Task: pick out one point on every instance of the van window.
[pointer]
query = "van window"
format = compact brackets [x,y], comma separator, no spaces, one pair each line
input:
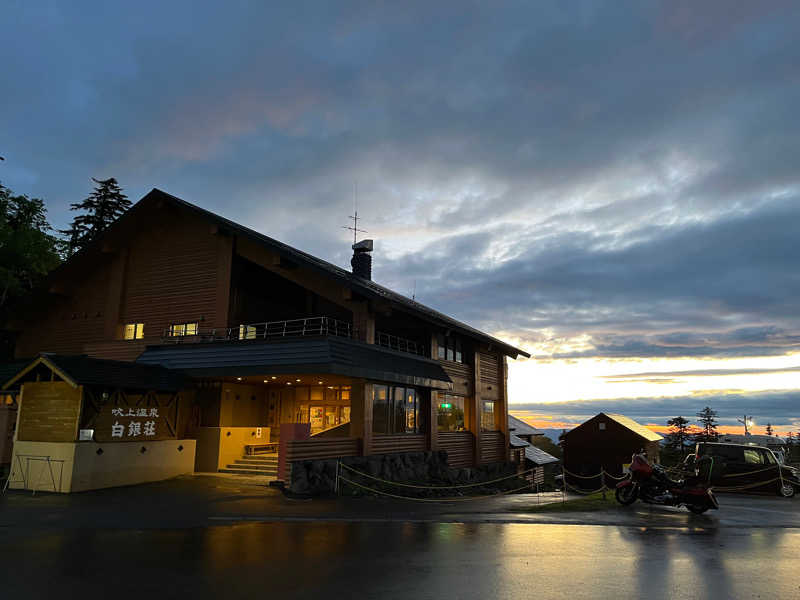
[728,453]
[769,458]
[753,456]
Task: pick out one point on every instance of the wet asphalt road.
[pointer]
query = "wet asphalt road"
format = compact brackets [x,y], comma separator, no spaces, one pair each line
[205,539]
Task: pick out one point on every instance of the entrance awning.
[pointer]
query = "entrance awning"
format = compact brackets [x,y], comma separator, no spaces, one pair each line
[337,356]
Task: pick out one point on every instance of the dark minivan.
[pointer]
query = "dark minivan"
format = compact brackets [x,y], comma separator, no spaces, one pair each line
[745,468]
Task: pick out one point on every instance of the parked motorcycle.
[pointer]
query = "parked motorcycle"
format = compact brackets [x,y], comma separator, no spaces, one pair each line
[651,484]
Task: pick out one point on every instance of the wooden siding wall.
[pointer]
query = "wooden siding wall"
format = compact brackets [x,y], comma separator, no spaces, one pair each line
[490,376]
[49,412]
[493,447]
[388,444]
[459,446]
[461,374]
[68,321]
[172,278]
[174,269]
[321,448]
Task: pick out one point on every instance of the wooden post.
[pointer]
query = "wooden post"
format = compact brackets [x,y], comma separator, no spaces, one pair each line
[361,414]
[433,422]
[475,407]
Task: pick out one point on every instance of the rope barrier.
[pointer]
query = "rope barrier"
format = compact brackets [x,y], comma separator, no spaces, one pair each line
[436,487]
[451,499]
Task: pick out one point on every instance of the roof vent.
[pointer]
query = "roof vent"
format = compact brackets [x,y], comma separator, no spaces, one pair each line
[362,259]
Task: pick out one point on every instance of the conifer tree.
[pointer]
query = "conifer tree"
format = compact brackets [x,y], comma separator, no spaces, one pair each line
[103,206]
[678,436]
[769,428]
[708,425]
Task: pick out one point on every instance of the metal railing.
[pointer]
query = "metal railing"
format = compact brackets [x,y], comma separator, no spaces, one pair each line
[398,343]
[267,330]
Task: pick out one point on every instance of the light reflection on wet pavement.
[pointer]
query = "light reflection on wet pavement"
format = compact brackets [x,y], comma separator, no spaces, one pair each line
[402,560]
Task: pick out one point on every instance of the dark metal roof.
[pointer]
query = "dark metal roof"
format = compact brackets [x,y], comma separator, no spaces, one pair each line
[364,286]
[334,355]
[520,427]
[84,370]
[9,369]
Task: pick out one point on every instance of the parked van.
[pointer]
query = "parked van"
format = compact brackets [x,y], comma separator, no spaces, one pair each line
[747,468]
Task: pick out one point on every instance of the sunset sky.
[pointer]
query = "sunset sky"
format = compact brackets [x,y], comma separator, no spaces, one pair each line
[614,187]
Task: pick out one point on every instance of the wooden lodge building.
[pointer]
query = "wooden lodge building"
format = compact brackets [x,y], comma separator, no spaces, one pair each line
[182,341]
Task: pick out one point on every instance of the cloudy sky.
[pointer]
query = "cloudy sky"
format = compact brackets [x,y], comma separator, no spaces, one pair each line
[613,186]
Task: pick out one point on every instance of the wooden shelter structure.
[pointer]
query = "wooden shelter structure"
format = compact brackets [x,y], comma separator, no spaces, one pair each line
[606,442]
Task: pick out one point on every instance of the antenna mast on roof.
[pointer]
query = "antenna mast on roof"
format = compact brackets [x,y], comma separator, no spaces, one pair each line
[354,216]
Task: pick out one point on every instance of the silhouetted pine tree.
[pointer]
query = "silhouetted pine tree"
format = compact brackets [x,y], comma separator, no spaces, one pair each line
[103,206]
[708,425]
[678,436]
[769,428]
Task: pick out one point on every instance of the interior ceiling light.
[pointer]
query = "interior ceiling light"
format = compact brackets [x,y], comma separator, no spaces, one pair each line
[273,377]
[297,380]
[238,379]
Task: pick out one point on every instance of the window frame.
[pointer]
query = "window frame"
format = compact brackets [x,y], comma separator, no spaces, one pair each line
[393,411]
[138,331]
[182,329]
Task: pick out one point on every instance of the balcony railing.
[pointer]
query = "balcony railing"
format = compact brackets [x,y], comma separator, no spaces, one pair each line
[398,343]
[268,330]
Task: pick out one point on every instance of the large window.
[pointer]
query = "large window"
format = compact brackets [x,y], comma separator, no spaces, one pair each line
[449,348]
[450,413]
[487,416]
[179,329]
[394,409]
[133,331]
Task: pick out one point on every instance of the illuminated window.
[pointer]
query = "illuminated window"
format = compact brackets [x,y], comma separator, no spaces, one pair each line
[133,331]
[180,329]
[247,332]
[450,413]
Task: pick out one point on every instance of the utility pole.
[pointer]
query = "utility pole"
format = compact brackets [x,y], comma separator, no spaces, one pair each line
[747,422]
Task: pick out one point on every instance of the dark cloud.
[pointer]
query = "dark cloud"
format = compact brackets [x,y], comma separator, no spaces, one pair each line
[701,373]
[777,407]
[622,170]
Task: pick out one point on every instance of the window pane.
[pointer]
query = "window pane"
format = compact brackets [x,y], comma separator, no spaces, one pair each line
[411,410]
[450,413]
[191,329]
[459,357]
[487,416]
[380,409]
[450,349]
[130,331]
[399,411]
[753,456]
[441,347]
[345,414]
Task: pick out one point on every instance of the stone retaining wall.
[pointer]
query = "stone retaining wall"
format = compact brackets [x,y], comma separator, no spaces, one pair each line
[318,477]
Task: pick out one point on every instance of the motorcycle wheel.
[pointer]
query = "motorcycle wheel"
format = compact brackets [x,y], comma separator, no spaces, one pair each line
[697,509]
[627,495]
[786,490]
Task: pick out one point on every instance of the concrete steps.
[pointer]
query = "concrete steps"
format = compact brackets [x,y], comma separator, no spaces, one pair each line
[264,465]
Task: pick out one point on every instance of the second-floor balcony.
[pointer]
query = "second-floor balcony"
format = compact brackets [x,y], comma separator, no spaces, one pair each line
[266,330]
[189,333]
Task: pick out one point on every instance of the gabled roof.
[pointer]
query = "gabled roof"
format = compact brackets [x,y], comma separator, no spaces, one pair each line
[365,287]
[520,427]
[648,434]
[83,370]
[627,422]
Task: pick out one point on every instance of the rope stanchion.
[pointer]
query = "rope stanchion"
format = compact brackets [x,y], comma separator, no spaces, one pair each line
[435,487]
[451,499]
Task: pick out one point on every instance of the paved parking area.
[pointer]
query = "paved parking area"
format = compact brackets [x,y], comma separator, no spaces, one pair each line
[202,500]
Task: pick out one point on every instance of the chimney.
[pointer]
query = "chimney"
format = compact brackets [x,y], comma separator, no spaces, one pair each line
[362,260]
